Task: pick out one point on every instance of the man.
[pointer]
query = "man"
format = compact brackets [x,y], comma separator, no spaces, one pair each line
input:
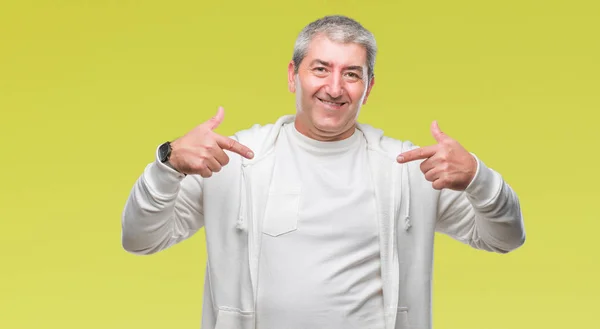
[317,221]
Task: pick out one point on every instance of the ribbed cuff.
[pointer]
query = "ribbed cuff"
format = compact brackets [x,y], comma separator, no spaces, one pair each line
[485,186]
[162,178]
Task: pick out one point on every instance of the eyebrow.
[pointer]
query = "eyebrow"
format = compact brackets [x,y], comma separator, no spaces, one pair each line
[324,63]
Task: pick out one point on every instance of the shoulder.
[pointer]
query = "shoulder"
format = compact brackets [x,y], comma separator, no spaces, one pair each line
[388,146]
[260,138]
[255,133]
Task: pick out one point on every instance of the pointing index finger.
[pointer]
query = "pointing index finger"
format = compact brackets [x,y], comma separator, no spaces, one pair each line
[417,154]
[232,145]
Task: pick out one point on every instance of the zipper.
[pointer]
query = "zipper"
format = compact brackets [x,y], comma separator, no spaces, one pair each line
[397,193]
[252,244]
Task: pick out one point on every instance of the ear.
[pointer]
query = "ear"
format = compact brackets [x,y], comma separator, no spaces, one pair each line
[291,77]
[371,83]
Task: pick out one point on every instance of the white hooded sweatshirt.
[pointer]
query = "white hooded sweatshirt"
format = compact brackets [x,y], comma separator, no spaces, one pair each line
[166,207]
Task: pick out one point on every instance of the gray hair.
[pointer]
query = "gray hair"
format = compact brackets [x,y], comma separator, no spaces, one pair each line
[338,29]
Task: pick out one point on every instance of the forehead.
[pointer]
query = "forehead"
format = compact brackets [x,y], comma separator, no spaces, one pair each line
[336,53]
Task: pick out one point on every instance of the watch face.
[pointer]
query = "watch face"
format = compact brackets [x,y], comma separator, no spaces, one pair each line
[163,152]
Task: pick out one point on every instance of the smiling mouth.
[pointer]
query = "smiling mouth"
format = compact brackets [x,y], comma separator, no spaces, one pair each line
[332,104]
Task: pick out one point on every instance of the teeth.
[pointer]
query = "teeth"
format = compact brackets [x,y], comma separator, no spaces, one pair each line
[331,103]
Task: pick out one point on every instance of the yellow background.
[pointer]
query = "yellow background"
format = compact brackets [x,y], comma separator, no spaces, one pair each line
[88,89]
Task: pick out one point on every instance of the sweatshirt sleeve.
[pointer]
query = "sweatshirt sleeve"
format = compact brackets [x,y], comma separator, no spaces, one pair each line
[164,207]
[487,215]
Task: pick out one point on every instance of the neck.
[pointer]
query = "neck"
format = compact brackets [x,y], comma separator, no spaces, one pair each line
[313,132]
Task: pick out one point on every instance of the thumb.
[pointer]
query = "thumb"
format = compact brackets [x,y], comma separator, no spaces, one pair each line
[215,121]
[436,132]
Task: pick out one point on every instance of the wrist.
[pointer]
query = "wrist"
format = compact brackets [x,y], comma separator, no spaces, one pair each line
[170,165]
[165,156]
[485,186]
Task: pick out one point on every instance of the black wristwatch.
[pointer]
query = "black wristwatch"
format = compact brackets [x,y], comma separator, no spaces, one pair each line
[164,152]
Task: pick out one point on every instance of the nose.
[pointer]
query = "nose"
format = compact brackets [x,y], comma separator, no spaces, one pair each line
[335,86]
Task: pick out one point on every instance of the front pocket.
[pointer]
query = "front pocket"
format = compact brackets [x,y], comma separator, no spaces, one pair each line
[233,319]
[281,214]
[402,318]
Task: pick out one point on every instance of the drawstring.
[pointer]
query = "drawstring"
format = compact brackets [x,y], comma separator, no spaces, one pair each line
[241,222]
[406,185]
[407,223]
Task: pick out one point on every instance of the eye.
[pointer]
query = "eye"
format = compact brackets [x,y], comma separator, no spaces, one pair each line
[353,75]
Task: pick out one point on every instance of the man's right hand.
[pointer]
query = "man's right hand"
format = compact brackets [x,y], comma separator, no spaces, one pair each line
[201,151]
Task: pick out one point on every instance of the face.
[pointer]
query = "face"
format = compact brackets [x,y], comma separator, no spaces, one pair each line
[331,86]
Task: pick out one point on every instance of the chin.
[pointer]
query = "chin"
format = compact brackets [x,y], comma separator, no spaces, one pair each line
[327,123]
[330,125]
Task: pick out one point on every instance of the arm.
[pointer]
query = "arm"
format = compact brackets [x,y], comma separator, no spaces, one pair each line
[486,215]
[163,208]
[475,205]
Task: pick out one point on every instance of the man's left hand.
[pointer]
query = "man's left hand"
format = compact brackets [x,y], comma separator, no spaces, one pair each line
[447,164]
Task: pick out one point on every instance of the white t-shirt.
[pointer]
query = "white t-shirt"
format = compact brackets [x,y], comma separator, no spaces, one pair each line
[319,262]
